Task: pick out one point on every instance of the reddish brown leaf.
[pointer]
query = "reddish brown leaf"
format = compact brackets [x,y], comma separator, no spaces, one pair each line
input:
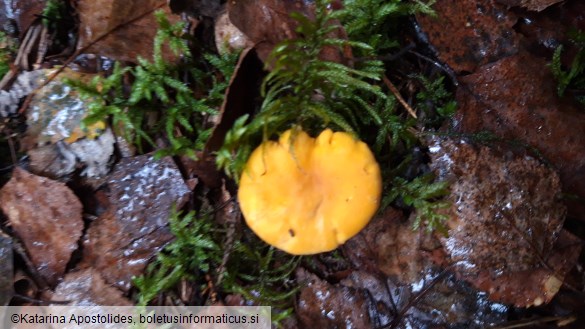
[322,305]
[536,5]
[88,288]
[268,22]
[46,215]
[125,43]
[515,98]
[121,242]
[389,245]
[533,286]
[468,34]
[505,218]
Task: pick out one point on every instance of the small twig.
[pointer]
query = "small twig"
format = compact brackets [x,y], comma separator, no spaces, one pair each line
[396,93]
[443,67]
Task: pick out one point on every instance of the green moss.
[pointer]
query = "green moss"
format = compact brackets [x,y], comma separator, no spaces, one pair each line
[572,77]
[161,91]
[192,254]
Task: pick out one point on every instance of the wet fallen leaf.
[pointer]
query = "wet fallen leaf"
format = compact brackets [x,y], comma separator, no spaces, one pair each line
[536,5]
[125,43]
[437,300]
[322,305]
[389,245]
[468,34]
[515,99]
[505,225]
[268,22]
[121,242]
[88,288]
[46,216]
[395,264]
[6,269]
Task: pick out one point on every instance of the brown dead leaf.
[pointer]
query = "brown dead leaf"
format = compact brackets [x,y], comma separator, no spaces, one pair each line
[468,34]
[6,269]
[322,305]
[505,221]
[515,98]
[535,5]
[268,22]
[121,242]
[533,287]
[97,17]
[88,288]
[46,215]
[243,89]
[389,245]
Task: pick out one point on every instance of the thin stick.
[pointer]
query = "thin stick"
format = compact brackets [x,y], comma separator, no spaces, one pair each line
[396,93]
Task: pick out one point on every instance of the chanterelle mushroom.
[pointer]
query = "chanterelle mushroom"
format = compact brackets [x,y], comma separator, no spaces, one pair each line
[312,195]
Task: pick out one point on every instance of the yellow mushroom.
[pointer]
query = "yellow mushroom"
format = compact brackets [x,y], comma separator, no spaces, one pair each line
[311,195]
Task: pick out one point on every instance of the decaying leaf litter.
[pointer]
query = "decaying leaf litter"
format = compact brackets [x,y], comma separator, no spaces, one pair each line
[511,154]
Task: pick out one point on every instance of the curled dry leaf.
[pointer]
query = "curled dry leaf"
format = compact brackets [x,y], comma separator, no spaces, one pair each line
[468,34]
[505,226]
[243,89]
[268,22]
[88,288]
[46,215]
[121,242]
[125,43]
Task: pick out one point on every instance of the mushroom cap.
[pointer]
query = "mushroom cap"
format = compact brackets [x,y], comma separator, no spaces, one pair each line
[309,195]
